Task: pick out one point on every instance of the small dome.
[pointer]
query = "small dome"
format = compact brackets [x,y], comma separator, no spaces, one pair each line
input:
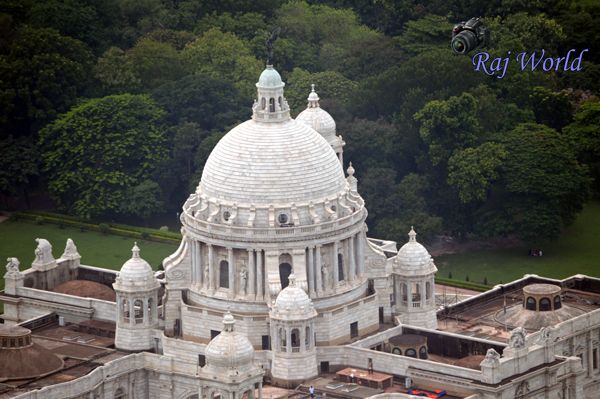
[136,273]
[21,358]
[413,258]
[293,303]
[269,78]
[319,119]
[86,289]
[230,351]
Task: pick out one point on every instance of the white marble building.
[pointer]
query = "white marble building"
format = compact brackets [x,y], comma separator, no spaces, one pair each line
[275,278]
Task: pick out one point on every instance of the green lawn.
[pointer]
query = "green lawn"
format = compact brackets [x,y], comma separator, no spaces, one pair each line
[577,251]
[17,239]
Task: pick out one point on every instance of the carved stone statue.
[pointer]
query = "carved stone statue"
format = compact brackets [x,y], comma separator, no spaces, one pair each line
[206,277]
[325,271]
[547,335]
[492,358]
[243,280]
[269,44]
[12,266]
[43,252]
[70,250]
[517,338]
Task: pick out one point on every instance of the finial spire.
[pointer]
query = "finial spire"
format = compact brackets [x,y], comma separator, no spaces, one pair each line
[350,169]
[228,321]
[292,279]
[313,97]
[412,235]
[135,250]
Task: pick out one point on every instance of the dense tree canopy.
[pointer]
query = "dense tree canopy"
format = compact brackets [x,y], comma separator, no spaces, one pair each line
[99,150]
[126,99]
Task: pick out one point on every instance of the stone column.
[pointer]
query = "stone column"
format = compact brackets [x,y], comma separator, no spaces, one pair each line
[422,292]
[302,338]
[200,267]
[260,280]
[318,272]
[360,262]
[194,262]
[251,392]
[351,260]
[211,268]
[131,311]
[251,273]
[288,340]
[311,272]
[334,264]
[260,390]
[145,312]
[590,356]
[409,295]
[155,308]
[232,275]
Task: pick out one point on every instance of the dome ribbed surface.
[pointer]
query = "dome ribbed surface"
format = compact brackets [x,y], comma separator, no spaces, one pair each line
[269,78]
[272,163]
[413,258]
[229,350]
[136,273]
[320,120]
[292,303]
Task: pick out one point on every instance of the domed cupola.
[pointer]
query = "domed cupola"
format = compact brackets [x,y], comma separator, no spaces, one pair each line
[413,258]
[292,319]
[413,281]
[230,352]
[321,121]
[293,303]
[136,290]
[135,274]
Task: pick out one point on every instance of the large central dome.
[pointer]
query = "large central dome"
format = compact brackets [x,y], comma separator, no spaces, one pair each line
[272,163]
[272,159]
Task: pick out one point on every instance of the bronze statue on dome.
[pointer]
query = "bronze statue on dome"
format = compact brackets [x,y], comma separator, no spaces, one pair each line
[269,44]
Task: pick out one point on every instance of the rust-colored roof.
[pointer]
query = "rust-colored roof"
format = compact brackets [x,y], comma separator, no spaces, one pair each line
[86,289]
[13,331]
[27,362]
[470,362]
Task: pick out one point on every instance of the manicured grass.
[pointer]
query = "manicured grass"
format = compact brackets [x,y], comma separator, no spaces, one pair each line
[577,251]
[17,239]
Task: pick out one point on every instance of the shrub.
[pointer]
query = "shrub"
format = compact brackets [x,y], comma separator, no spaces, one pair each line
[145,235]
[450,275]
[485,281]
[104,228]
[467,278]
[39,220]
[164,228]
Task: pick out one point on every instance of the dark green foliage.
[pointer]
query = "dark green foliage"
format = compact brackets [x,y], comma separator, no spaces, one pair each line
[104,228]
[97,151]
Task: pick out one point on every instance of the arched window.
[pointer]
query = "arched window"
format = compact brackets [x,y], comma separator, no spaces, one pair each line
[307,337]
[340,267]
[224,274]
[263,103]
[416,293]
[295,340]
[422,353]
[138,308]
[125,308]
[557,303]
[411,353]
[545,305]
[280,101]
[427,290]
[283,339]
[120,394]
[404,292]
[285,269]
[271,105]
[530,303]
[396,351]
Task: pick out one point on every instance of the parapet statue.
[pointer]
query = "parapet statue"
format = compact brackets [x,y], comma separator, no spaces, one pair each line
[517,338]
[43,252]
[70,250]
[492,358]
[269,44]
[12,266]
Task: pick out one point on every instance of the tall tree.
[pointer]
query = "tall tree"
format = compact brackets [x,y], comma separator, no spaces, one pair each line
[99,150]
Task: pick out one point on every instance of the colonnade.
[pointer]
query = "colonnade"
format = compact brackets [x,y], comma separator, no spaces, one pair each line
[414,294]
[326,266]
